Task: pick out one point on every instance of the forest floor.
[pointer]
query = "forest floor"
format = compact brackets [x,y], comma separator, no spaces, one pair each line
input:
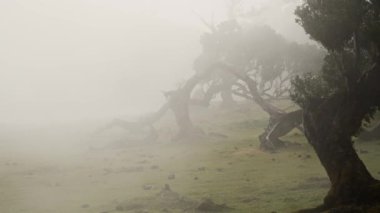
[71,170]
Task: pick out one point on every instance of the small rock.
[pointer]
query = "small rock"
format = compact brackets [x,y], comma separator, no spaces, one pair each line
[85,206]
[208,205]
[202,169]
[166,188]
[196,178]
[220,169]
[147,187]
[171,177]
[154,167]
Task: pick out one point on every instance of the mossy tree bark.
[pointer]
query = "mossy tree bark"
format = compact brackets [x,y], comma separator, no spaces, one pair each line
[329,128]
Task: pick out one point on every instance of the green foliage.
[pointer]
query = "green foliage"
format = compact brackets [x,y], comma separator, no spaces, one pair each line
[258,50]
[350,31]
[331,22]
[310,90]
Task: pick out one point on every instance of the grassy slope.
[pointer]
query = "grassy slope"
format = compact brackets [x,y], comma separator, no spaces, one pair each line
[228,170]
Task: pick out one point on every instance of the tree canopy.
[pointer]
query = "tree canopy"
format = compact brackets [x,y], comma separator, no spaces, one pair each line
[345,93]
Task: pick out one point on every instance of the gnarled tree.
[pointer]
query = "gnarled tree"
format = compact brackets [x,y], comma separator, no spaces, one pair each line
[337,100]
[259,64]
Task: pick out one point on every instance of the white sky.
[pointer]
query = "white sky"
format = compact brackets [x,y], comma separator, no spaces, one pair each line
[78,59]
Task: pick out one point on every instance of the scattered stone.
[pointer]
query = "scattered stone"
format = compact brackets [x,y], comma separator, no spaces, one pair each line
[196,178]
[362,151]
[219,169]
[273,159]
[167,201]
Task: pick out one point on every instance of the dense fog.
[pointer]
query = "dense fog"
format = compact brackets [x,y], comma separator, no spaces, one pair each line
[160,106]
[82,59]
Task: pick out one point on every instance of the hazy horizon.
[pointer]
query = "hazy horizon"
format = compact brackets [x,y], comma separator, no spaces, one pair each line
[82,59]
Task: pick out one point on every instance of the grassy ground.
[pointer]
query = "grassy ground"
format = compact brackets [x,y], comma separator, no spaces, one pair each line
[71,172]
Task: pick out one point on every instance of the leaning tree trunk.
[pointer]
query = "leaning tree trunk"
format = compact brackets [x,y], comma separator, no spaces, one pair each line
[328,129]
[280,123]
[180,108]
[179,101]
[277,127]
[370,134]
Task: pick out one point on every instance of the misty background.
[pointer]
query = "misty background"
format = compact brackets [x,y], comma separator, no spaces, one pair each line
[64,61]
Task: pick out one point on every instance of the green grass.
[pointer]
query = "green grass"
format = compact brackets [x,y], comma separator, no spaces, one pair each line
[228,170]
